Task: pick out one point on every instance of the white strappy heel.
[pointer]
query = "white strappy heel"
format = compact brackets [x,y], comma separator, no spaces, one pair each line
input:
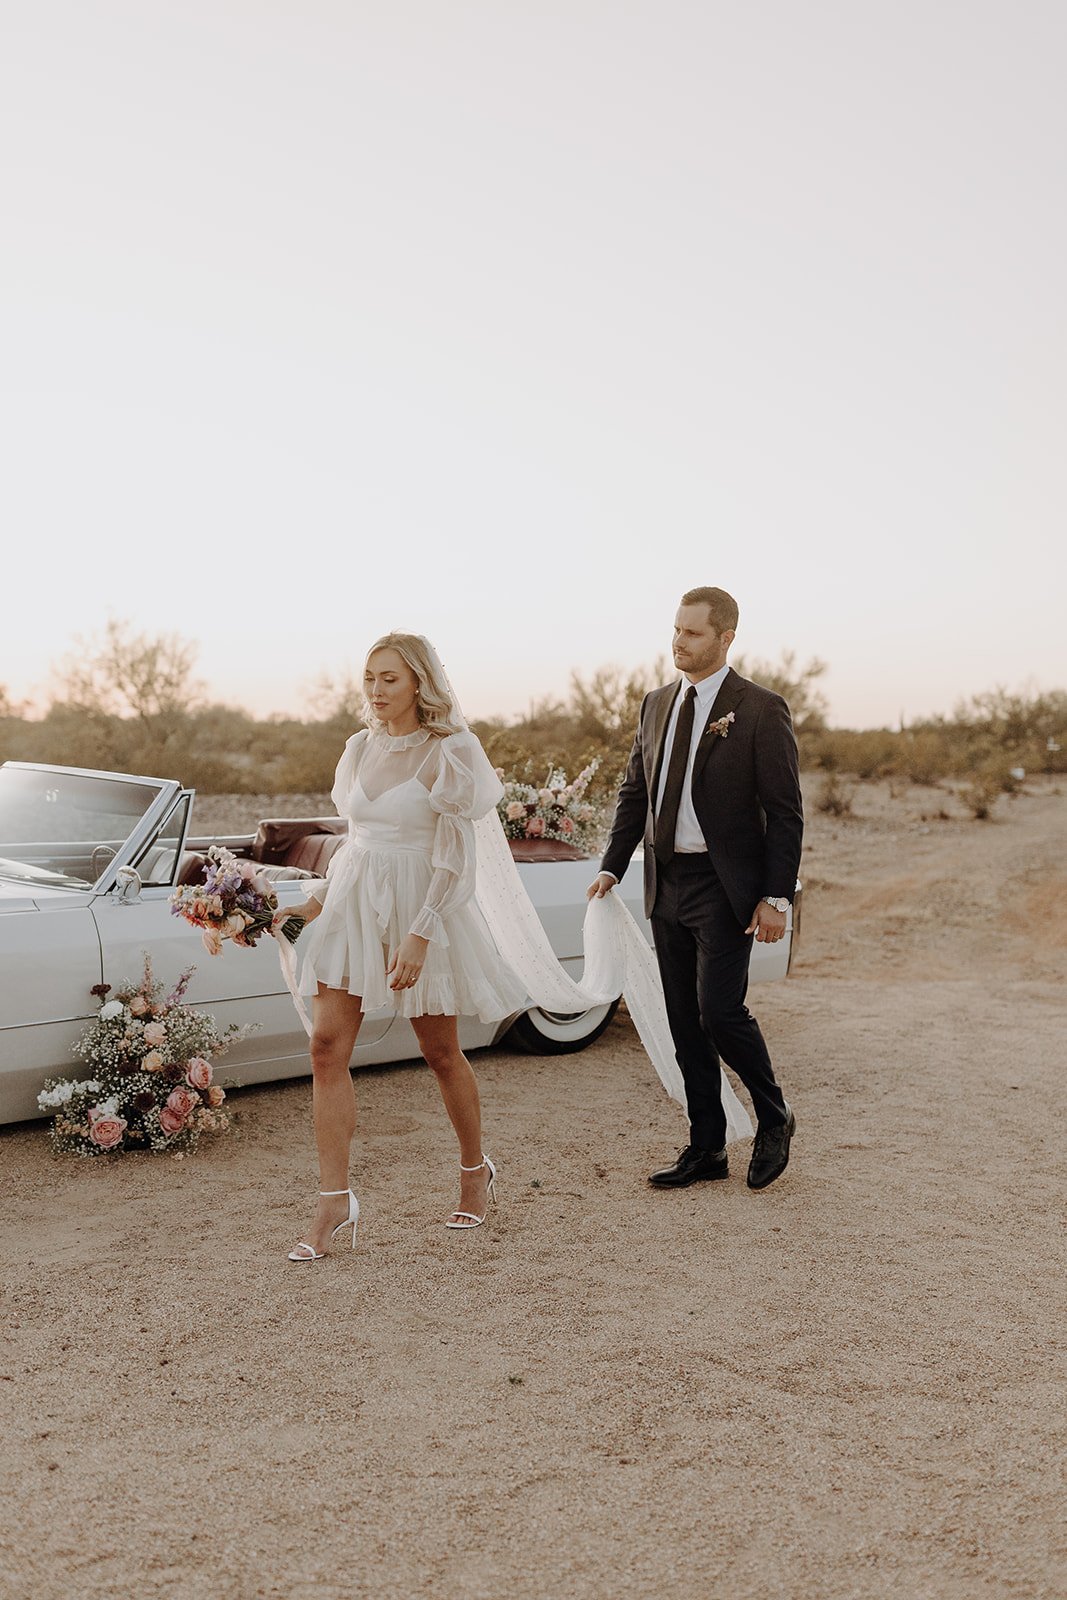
[490,1195]
[350,1222]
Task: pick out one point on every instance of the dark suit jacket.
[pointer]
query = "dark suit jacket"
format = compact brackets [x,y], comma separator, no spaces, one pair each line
[746,794]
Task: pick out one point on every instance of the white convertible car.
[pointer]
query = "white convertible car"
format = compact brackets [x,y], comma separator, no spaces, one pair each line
[88,862]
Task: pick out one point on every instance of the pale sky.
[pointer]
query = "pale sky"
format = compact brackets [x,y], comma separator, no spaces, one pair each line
[506,323]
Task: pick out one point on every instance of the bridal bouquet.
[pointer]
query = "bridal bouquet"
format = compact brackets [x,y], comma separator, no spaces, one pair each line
[558,810]
[149,1083]
[235,901]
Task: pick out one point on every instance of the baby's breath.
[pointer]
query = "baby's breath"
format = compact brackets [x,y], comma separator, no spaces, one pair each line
[138,1095]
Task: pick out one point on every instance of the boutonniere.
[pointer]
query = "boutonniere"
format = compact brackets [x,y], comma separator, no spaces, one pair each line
[721,727]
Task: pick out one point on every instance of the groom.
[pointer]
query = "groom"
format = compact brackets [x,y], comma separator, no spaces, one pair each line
[713,788]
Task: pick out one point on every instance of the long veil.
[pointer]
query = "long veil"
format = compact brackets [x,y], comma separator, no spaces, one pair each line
[618,958]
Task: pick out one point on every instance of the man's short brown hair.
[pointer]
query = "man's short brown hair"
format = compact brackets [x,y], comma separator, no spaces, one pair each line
[722,607]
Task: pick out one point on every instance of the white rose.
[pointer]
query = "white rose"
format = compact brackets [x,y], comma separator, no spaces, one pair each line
[114,1008]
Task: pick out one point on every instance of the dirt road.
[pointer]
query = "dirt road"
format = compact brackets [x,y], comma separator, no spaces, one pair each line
[845,1387]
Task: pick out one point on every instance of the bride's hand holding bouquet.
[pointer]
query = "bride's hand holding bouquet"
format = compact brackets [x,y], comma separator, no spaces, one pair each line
[302,914]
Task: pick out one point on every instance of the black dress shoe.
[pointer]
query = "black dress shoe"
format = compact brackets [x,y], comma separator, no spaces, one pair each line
[694,1165]
[770,1153]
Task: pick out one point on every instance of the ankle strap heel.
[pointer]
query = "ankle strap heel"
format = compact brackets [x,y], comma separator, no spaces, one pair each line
[471,1220]
[307,1252]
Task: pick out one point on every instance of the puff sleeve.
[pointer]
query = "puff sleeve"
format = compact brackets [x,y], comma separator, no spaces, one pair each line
[465,788]
[343,779]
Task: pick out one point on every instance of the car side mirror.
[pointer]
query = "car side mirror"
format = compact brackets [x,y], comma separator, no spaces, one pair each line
[128,885]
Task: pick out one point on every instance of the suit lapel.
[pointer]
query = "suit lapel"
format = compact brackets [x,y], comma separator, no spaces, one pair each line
[661,715]
[731,692]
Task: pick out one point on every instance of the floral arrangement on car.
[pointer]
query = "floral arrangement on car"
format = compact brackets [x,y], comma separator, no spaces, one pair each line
[150,1083]
[235,901]
[557,810]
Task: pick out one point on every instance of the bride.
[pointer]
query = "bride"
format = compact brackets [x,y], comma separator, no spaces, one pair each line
[422,910]
[395,924]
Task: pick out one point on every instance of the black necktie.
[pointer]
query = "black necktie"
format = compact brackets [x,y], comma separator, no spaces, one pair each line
[672,790]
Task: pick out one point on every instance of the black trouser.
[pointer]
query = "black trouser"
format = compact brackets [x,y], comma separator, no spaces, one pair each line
[703,954]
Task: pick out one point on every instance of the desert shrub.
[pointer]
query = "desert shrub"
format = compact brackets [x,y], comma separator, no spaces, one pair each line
[129,701]
[835,797]
[981,792]
[925,756]
[870,753]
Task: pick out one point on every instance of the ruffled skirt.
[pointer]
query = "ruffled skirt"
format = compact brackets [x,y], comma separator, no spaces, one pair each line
[373,898]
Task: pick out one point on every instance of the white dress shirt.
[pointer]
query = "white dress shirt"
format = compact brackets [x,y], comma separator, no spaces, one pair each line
[688,839]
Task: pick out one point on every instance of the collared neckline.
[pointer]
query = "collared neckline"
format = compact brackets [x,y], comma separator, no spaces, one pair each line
[707,688]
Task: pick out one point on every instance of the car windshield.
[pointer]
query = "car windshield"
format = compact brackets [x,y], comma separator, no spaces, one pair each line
[61,829]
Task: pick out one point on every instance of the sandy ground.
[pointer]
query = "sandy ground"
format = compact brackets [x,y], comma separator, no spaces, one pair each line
[847,1386]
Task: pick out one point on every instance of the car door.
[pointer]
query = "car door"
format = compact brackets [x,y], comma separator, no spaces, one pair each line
[49,961]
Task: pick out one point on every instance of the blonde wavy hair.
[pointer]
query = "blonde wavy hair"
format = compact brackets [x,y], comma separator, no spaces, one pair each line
[433,703]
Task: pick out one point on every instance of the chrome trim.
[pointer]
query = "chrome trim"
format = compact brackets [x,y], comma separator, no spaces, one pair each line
[182,795]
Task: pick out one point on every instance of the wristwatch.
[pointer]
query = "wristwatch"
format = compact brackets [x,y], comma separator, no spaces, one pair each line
[778,903]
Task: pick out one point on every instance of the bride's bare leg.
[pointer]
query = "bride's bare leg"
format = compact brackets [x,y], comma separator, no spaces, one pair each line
[336,1021]
[439,1043]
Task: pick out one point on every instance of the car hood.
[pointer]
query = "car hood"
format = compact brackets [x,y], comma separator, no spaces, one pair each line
[16,896]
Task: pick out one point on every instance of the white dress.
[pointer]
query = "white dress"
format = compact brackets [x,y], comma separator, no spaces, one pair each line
[407,866]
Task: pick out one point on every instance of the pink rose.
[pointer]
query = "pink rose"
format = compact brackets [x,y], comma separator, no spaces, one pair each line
[566,825]
[155,1033]
[212,941]
[182,1101]
[153,1062]
[106,1132]
[170,1121]
[216,1095]
[198,1072]
[515,810]
[535,827]
[138,1005]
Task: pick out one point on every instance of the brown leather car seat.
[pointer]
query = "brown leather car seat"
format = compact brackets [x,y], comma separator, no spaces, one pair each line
[313,852]
[277,837]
